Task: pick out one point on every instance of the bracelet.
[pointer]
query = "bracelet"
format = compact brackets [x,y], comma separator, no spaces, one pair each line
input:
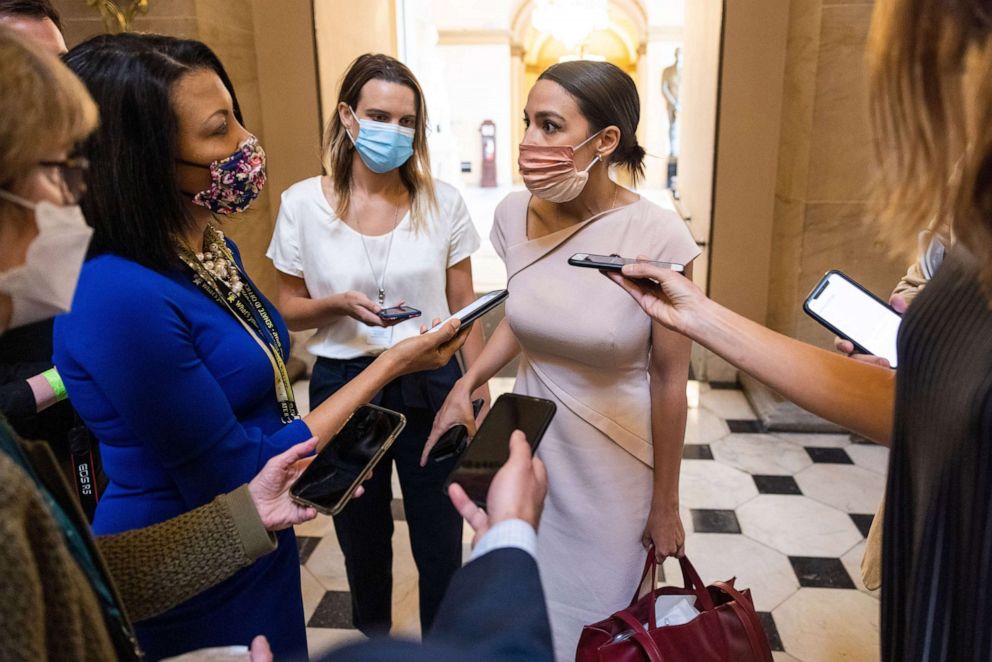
[55,381]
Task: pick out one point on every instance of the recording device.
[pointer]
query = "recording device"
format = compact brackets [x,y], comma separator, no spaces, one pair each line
[331,479]
[399,313]
[490,449]
[476,309]
[616,263]
[454,440]
[853,313]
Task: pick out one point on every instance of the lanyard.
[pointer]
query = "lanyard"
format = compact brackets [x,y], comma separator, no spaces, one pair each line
[118,626]
[246,307]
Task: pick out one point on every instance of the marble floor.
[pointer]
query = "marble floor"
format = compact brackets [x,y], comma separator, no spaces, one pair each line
[784,513]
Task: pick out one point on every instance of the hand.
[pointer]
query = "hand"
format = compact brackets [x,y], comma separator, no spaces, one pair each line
[358,306]
[673,300]
[428,351]
[664,530]
[898,302]
[456,410]
[270,488]
[517,491]
[260,650]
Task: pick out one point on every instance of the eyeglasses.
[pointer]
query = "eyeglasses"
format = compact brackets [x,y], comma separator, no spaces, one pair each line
[72,173]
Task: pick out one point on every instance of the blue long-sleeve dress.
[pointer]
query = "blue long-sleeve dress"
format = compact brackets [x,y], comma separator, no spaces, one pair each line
[182,400]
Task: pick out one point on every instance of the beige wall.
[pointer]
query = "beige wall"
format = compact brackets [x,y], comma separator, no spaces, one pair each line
[345,30]
[700,85]
[793,163]
[753,62]
[822,220]
[269,56]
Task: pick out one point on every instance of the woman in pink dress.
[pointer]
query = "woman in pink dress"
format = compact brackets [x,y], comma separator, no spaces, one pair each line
[613,451]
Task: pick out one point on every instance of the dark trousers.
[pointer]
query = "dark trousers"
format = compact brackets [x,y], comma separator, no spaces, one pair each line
[365,527]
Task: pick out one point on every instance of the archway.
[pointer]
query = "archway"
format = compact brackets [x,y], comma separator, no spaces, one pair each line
[622,41]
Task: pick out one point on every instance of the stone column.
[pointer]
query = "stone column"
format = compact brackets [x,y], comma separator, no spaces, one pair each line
[271,62]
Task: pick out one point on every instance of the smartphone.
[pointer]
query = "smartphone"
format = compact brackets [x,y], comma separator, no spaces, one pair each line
[616,263]
[330,480]
[852,312]
[454,441]
[477,308]
[490,449]
[399,313]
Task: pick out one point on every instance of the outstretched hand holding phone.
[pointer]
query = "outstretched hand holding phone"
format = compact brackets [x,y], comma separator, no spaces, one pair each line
[517,492]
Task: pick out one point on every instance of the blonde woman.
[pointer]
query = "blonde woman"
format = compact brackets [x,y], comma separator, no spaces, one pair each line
[378,231]
[932,113]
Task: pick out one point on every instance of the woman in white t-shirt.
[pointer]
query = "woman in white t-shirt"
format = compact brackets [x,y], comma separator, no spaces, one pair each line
[378,231]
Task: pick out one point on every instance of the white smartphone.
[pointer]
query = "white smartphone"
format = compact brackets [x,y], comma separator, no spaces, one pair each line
[852,312]
[476,309]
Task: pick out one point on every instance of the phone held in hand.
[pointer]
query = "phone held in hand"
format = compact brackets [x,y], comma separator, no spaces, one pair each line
[476,309]
[616,263]
[850,311]
[490,449]
[331,479]
[454,440]
[399,313]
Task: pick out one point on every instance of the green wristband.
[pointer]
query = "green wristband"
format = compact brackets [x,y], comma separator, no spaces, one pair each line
[55,381]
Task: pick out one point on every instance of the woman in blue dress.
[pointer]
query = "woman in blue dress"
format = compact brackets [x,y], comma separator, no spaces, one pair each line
[171,355]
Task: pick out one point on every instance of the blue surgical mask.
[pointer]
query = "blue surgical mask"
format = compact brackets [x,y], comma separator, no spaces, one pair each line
[382,146]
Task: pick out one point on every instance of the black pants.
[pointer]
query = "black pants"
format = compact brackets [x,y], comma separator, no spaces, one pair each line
[365,527]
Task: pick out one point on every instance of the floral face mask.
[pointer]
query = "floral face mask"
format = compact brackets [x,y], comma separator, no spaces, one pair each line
[234,181]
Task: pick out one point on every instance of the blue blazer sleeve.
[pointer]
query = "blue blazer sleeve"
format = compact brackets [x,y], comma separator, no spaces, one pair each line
[137,350]
[494,610]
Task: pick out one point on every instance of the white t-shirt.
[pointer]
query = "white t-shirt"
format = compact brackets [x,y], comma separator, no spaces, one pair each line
[312,243]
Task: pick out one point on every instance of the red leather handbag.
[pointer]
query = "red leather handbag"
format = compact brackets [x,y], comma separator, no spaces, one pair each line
[726,630]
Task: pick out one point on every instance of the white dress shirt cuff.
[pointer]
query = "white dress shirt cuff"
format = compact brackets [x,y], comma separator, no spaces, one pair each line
[509,533]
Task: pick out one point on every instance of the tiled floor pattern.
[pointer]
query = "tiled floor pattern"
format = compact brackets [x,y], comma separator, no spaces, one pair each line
[784,513]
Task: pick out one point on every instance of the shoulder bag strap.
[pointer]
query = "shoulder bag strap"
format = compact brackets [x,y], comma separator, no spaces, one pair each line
[641,636]
[749,619]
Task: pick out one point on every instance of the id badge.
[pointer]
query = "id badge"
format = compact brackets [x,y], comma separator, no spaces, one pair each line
[379,336]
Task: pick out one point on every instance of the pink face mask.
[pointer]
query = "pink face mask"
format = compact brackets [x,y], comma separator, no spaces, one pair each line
[549,170]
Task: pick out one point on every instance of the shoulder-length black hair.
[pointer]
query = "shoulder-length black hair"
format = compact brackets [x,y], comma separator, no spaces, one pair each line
[132,199]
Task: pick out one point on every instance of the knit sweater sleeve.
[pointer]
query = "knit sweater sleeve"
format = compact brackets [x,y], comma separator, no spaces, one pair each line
[158,567]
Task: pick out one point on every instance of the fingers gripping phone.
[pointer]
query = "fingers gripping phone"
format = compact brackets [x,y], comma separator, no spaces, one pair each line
[454,441]
[331,479]
[490,449]
[853,313]
[476,309]
[399,313]
[616,263]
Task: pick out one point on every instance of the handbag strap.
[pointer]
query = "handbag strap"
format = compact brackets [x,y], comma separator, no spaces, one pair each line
[749,619]
[641,636]
[691,581]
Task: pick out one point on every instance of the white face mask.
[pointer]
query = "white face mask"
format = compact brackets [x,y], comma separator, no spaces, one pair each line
[43,286]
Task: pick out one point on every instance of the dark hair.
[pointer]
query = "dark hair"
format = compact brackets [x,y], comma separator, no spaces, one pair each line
[39,9]
[606,97]
[132,200]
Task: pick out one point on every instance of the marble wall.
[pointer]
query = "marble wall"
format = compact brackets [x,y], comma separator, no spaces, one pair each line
[822,219]
[274,63]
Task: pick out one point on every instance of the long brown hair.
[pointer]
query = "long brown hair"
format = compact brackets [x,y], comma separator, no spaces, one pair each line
[337,148]
[930,64]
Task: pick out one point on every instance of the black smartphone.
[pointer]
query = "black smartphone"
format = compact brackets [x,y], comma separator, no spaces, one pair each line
[454,441]
[850,311]
[616,263]
[399,313]
[477,308]
[490,449]
[330,480]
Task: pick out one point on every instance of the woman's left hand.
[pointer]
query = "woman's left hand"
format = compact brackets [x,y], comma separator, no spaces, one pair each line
[270,488]
[664,530]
